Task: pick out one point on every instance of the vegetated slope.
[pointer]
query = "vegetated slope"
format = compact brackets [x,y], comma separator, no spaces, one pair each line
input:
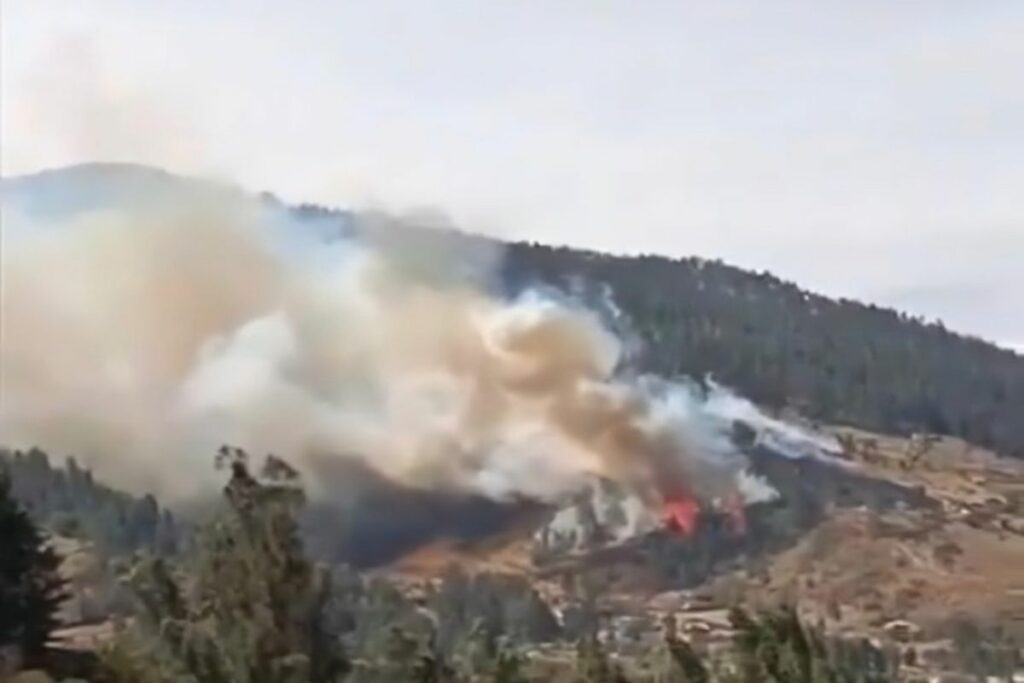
[68,501]
[835,361]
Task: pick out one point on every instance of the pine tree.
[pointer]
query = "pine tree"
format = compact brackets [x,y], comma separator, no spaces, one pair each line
[31,590]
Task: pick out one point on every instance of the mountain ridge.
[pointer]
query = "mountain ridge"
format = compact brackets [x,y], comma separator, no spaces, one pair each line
[835,360]
[139,174]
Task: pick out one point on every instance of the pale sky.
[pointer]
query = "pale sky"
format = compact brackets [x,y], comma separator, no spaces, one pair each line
[870,149]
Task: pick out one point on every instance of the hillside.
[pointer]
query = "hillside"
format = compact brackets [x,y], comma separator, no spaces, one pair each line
[927,537]
[70,501]
[835,361]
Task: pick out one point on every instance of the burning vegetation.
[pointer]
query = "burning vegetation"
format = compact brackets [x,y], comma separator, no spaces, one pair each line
[339,353]
[437,416]
[681,515]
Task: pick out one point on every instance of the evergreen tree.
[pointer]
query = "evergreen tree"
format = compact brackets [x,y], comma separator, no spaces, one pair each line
[68,501]
[31,590]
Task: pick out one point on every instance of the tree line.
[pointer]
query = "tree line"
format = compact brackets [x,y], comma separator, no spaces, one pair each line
[70,502]
[247,605]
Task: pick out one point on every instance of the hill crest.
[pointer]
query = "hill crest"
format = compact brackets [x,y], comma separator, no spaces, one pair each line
[839,361]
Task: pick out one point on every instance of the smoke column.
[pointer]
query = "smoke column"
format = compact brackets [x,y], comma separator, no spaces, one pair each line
[140,339]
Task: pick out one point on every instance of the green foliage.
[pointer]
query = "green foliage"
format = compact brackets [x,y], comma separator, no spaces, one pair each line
[489,605]
[775,647]
[594,664]
[31,589]
[252,609]
[248,607]
[840,361]
[68,501]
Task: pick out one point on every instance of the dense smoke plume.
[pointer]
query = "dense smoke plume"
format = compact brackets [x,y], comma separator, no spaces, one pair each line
[143,338]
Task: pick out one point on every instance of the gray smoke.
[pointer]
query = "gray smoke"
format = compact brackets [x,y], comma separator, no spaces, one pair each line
[143,338]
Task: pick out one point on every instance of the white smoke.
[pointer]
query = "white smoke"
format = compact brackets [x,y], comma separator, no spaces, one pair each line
[755,488]
[783,437]
[143,339]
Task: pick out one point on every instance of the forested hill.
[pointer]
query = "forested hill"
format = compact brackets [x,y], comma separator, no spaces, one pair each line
[837,361]
[67,500]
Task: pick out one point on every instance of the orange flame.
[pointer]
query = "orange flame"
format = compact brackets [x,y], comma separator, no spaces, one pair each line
[681,514]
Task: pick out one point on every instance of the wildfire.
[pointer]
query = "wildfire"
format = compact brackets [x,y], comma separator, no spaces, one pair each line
[681,514]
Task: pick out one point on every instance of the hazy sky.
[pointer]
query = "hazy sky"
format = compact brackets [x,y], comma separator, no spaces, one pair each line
[864,148]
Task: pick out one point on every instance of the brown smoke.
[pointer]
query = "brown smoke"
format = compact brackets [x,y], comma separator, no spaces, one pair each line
[142,339]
